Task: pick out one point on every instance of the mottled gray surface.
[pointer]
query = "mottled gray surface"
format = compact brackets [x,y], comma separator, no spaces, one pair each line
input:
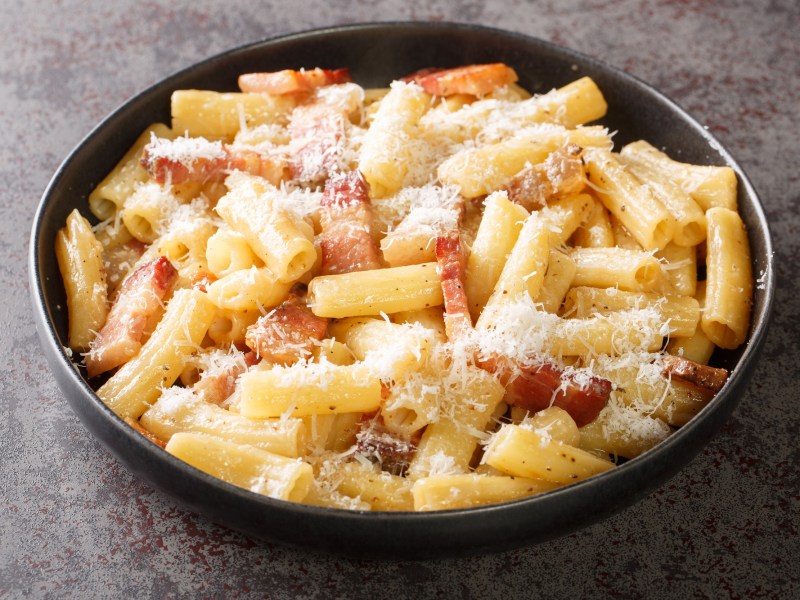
[74,523]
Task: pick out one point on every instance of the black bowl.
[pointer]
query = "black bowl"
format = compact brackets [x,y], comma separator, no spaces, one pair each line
[376,54]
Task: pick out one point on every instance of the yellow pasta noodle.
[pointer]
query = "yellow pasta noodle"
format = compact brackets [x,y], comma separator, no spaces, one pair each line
[484,169]
[283,241]
[525,453]
[137,384]
[682,313]
[442,492]
[633,203]
[617,267]
[79,256]
[179,409]
[310,389]
[709,186]
[245,466]
[215,115]
[729,279]
[500,226]
[390,290]
[110,195]
[388,146]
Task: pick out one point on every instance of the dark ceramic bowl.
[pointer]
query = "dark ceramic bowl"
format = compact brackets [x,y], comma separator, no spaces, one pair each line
[376,54]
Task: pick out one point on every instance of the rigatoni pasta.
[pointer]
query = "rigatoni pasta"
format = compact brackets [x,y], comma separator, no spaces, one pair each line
[441,294]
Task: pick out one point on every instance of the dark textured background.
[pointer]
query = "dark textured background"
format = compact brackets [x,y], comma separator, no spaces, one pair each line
[74,523]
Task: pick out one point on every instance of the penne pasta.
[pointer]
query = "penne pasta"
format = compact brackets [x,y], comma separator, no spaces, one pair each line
[313,389]
[709,186]
[110,195]
[630,270]
[283,241]
[729,279]
[245,466]
[80,262]
[525,453]
[362,293]
[137,384]
[633,203]
[500,226]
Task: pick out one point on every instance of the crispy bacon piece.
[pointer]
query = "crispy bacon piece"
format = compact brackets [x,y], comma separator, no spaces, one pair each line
[119,259]
[533,388]
[392,452]
[287,333]
[317,142]
[138,427]
[202,279]
[451,259]
[138,298]
[179,161]
[536,388]
[562,172]
[421,73]
[290,81]
[217,385]
[346,219]
[477,80]
[706,378]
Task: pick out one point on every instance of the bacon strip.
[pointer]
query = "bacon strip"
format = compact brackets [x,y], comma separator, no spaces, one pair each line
[317,142]
[347,220]
[392,452]
[533,388]
[179,161]
[451,259]
[217,386]
[477,80]
[119,259]
[418,75]
[536,388]
[290,81]
[707,378]
[562,172]
[139,297]
[287,333]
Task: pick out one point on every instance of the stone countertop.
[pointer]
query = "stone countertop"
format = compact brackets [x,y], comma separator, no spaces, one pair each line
[74,523]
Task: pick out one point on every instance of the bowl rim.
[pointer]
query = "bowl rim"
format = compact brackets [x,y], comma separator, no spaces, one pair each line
[59,355]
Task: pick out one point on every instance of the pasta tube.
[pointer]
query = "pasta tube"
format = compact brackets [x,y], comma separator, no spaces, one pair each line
[479,171]
[443,492]
[682,313]
[709,186]
[729,279]
[250,289]
[524,270]
[617,267]
[388,148]
[524,453]
[382,490]
[245,466]
[629,200]
[215,115]
[179,409]
[361,293]
[138,383]
[80,260]
[283,241]
[498,231]
[309,389]
[110,194]
[557,281]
